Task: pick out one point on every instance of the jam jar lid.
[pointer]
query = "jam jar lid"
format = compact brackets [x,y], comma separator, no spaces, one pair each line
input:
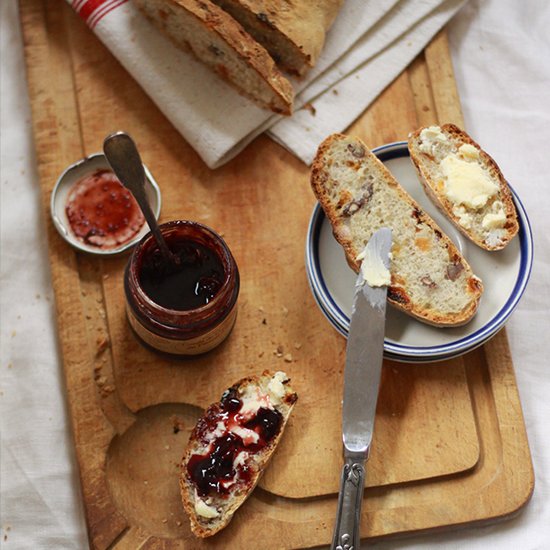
[60,195]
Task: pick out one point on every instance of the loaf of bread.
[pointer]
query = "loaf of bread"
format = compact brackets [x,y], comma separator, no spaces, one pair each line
[216,39]
[292,32]
[466,184]
[229,449]
[430,279]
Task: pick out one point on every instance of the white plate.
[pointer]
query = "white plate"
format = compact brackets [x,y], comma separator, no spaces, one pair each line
[77,171]
[504,273]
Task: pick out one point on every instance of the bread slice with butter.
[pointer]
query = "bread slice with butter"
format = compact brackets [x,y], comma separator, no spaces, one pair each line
[465,183]
[230,447]
[219,41]
[430,279]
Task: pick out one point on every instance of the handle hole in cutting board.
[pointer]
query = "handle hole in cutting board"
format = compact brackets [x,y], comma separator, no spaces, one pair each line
[143,465]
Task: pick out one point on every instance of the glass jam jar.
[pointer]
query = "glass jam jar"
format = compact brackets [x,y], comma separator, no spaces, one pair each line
[186,307]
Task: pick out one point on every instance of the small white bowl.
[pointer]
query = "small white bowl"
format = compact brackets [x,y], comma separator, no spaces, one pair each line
[61,190]
[504,273]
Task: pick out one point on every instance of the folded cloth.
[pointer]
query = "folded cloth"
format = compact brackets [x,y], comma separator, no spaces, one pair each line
[369,38]
[339,105]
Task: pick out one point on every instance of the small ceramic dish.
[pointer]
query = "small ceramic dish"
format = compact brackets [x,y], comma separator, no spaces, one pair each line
[504,273]
[69,178]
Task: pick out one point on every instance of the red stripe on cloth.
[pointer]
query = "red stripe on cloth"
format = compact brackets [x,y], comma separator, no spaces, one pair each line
[105,9]
[76,4]
[89,7]
[92,11]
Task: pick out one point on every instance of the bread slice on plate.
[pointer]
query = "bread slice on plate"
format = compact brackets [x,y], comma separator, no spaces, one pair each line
[430,279]
[466,184]
[292,32]
[229,449]
[216,39]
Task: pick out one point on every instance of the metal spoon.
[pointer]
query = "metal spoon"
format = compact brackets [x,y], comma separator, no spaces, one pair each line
[123,156]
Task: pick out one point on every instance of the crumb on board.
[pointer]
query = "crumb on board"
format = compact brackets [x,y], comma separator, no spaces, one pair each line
[102,343]
[178,424]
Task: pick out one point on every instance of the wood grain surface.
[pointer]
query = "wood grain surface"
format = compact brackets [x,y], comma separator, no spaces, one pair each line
[450,447]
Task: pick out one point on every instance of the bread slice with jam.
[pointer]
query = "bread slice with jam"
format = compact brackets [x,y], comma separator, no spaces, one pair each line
[229,449]
[430,279]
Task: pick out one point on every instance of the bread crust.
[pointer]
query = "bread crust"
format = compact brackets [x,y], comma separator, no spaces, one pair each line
[205,528]
[293,32]
[425,164]
[361,160]
[245,51]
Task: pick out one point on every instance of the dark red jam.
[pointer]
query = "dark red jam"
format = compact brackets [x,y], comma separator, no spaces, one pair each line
[189,283]
[216,470]
[102,212]
[267,423]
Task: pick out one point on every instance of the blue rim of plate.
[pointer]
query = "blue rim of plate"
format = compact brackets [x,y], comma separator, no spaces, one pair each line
[393,350]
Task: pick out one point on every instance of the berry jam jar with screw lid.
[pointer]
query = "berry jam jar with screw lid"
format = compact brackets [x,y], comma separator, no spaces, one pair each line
[186,306]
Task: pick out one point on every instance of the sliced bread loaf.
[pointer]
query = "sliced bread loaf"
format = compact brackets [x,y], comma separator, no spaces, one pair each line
[217,40]
[293,32]
[430,279]
[465,183]
[229,448]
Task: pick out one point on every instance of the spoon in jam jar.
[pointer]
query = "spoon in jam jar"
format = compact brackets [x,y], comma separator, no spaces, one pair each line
[123,156]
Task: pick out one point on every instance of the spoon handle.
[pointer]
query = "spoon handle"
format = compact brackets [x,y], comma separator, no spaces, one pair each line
[124,158]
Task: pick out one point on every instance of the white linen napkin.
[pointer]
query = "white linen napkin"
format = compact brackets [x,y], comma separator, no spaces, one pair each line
[337,106]
[369,42]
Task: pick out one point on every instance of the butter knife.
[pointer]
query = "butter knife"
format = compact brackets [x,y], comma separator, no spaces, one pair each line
[364,353]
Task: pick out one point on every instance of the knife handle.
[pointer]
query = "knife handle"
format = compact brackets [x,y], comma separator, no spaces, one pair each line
[346,532]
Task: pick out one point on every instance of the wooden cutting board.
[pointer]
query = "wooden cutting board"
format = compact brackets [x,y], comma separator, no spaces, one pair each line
[450,446]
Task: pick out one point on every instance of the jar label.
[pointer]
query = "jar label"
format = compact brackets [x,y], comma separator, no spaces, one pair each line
[192,346]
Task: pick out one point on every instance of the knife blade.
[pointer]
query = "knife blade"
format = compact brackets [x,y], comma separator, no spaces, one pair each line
[364,354]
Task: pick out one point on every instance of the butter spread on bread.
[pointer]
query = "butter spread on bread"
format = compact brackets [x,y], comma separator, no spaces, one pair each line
[466,184]
[430,279]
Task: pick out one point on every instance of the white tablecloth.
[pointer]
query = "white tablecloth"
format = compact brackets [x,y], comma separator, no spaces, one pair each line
[501,52]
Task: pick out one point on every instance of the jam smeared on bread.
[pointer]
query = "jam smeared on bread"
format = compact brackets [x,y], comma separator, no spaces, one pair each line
[229,449]
[217,469]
